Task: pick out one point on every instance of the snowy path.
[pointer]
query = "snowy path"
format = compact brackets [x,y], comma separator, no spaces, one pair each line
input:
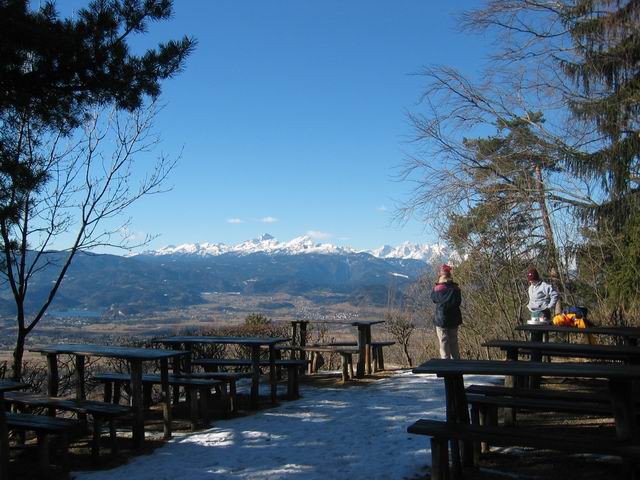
[331,433]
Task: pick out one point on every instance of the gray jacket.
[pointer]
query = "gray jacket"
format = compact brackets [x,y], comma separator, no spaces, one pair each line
[542,296]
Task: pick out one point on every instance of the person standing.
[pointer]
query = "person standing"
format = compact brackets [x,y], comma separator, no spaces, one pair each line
[447,297]
[542,298]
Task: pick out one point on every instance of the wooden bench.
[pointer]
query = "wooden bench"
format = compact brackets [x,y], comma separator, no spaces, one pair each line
[377,352]
[539,393]
[229,378]
[193,386]
[45,427]
[488,398]
[378,355]
[484,408]
[346,357]
[292,367]
[442,432]
[100,411]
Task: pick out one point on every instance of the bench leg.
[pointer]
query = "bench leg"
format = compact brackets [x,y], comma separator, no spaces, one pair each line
[483,420]
[312,362]
[63,448]
[205,405]
[292,383]
[225,401]
[108,392]
[374,355]
[147,388]
[475,420]
[43,453]
[277,355]
[117,391]
[439,459]
[193,407]
[95,442]
[113,438]
[509,417]
[233,399]
[345,367]
[381,358]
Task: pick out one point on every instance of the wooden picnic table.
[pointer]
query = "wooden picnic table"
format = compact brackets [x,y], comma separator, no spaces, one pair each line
[536,350]
[6,386]
[619,379]
[364,345]
[629,335]
[363,342]
[135,357]
[255,343]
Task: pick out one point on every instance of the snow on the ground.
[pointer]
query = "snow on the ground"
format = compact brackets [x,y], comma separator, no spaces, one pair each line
[358,432]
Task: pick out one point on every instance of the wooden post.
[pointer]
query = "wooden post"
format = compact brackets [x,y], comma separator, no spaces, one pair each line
[367,330]
[273,376]
[4,442]
[95,443]
[623,410]
[345,367]
[294,333]
[44,445]
[147,390]
[117,392]
[255,376]
[108,392]
[177,368]
[462,410]
[187,368]
[350,362]
[439,459]
[193,406]
[113,437]
[53,379]
[362,347]
[512,381]
[52,374]
[136,403]
[380,358]
[80,390]
[303,340]
[374,355]
[452,417]
[165,397]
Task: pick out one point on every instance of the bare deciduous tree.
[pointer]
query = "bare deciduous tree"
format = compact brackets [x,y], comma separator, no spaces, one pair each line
[89,181]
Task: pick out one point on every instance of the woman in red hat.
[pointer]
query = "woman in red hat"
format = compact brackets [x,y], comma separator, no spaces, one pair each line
[447,297]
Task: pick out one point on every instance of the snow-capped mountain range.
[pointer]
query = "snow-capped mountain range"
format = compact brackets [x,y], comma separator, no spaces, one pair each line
[301,245]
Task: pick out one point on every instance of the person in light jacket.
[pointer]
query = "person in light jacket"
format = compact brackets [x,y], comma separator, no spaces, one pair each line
[447,297]
[542,298]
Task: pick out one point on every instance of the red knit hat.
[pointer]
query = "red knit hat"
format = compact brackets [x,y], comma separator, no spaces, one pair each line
[445,268]
[533,275]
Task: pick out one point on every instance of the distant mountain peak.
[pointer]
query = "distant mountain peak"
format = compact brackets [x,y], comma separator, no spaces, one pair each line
[304,244]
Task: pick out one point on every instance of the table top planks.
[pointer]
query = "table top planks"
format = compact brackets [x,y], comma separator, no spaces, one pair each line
[10,385]
[442,367]
[632,332]
[126,353]
[607,351]
[248,341]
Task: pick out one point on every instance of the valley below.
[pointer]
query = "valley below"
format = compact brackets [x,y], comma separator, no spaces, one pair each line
[217,310]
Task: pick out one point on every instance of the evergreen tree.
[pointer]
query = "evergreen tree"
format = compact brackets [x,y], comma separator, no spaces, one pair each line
[606,70]
[53,73]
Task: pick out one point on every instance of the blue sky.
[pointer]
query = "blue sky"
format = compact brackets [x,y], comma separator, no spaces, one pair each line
[292,117]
